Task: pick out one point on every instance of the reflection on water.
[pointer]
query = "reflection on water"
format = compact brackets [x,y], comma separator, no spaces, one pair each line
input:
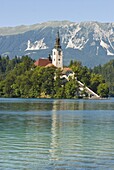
[56,134]
[25,105]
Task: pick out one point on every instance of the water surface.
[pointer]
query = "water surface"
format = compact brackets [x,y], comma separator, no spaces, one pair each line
[47,134]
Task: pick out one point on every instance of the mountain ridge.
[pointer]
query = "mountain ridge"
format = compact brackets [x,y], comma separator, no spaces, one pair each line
[24,28]
[92,43]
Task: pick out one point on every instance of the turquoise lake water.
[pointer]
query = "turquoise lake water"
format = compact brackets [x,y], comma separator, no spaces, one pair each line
[47,134]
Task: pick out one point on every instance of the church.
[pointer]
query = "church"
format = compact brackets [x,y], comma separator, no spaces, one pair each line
[56,59]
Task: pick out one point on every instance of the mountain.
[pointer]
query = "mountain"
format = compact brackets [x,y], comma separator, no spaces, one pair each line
[92,43]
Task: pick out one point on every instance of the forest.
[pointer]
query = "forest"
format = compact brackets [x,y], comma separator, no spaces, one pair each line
[20,78]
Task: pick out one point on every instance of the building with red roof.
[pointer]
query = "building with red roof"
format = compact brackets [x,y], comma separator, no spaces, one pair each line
[42,62]
[56,59]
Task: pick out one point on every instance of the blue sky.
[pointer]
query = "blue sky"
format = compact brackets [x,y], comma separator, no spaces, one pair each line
[28,12]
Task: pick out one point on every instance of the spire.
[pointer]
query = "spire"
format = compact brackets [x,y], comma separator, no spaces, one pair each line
[57,43]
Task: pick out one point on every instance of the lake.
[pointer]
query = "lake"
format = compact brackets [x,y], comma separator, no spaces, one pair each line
[48,134]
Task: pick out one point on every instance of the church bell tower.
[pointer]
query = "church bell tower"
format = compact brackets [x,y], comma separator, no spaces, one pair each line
[57,54]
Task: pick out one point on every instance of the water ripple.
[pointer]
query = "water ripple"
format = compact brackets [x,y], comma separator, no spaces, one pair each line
[71,138]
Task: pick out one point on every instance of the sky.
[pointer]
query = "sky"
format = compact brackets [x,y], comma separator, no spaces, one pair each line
[28,12]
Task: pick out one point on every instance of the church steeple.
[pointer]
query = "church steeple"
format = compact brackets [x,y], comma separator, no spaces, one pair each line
[57,54]
[57,43]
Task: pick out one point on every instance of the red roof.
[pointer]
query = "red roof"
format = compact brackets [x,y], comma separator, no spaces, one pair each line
[67,70]
[42,62]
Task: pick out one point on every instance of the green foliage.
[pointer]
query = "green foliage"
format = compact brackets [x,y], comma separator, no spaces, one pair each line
[71,88]
[103,90]
[107,71]
[48,81]
[81,72]
[13,74]
[20,78]
[60,93]
[76,67]
[58,85]
[95,79]
[4,61]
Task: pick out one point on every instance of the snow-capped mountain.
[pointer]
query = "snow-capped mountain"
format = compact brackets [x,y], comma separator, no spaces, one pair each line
[37,45]
[92,43]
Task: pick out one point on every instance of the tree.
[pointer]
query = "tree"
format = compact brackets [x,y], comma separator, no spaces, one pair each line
[60,92]
[84,76]
[36,79]
[48,81]
[8,90]
[103,90]
[58,89]
[2,83]
[107,71]
[95,80]
[71,88]
[76,67]
[71,63]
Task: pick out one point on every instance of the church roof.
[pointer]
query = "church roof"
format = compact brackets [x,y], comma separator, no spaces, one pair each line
[42,62]
[67,70]
[50,65]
